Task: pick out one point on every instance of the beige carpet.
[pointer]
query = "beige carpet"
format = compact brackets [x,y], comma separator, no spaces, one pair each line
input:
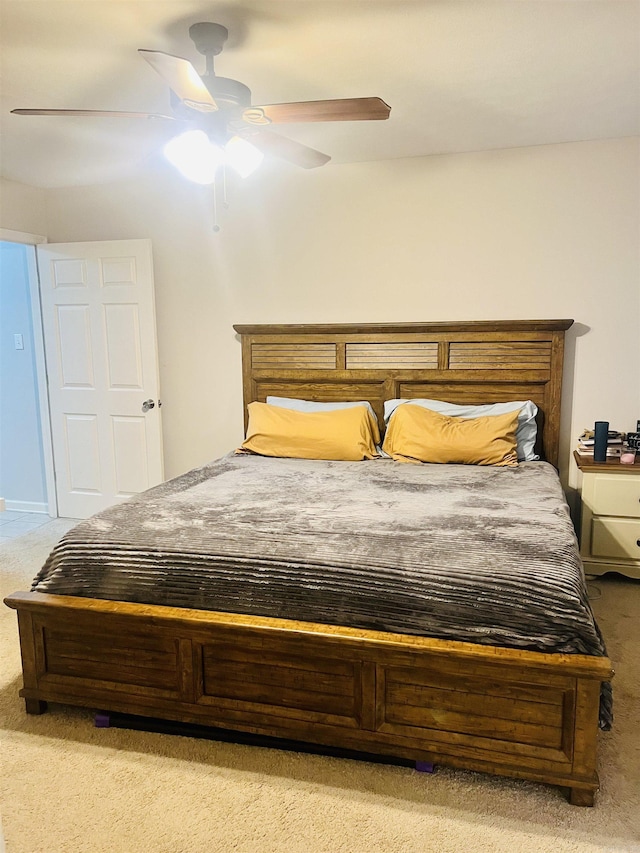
[67,786]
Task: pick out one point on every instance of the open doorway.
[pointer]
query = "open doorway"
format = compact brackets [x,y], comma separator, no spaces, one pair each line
[24,462]
[80,430]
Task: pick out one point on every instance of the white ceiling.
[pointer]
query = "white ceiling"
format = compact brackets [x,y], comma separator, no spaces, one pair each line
[459,76]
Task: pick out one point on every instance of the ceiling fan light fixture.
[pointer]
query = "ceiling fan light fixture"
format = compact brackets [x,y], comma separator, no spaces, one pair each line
[194,156]
[242,156]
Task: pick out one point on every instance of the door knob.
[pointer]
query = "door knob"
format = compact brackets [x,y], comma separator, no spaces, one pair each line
[148,404]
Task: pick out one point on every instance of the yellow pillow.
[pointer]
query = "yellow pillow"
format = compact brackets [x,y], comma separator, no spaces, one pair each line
[418,434]
[345,434]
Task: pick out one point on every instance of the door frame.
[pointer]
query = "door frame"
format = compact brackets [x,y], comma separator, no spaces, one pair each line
[34,240]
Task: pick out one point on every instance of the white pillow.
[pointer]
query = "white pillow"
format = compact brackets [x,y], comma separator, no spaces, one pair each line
[527,427]
[313,406]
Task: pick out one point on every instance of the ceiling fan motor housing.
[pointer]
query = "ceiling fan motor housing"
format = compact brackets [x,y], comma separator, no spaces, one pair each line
[227,91]
[209,40]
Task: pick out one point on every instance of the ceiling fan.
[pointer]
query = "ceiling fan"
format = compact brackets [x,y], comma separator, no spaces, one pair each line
[222,124]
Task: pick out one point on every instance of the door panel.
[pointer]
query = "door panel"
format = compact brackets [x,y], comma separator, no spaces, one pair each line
[100,344]
[130,454]
[82,451]
[67,272]
[123,346]
[73,344]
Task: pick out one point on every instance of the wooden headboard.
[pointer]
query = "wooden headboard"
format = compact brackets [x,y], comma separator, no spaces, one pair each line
[472,362]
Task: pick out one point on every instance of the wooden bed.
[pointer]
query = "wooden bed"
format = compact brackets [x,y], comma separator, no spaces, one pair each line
[510,712]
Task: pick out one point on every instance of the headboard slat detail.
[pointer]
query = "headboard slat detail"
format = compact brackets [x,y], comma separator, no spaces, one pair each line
[319,356]
[482,356]
[388,355]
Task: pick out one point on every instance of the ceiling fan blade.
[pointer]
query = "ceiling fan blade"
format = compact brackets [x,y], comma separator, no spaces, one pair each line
[101,113]
[286,149]
[347,109]
[183,78]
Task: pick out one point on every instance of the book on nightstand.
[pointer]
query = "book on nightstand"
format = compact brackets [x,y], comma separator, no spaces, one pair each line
[612,450]
[586,442]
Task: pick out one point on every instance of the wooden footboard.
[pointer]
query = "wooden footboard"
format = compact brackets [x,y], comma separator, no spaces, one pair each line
[502,711]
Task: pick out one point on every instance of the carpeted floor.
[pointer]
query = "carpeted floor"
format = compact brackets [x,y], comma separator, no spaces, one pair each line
[68,787]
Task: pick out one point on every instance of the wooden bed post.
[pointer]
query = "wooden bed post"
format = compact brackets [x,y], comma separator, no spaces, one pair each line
[30,673]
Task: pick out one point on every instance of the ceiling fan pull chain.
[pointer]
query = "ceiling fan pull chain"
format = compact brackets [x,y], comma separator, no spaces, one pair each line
[214,189]
[225,201]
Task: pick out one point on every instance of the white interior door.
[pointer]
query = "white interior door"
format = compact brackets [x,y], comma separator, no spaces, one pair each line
[100,344]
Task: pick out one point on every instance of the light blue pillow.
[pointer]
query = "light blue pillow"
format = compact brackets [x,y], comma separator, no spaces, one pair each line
[525,434]
[313,406]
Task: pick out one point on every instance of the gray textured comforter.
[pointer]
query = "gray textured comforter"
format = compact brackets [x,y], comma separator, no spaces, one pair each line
[482,554]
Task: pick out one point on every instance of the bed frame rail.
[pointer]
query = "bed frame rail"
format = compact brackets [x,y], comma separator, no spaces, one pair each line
[504,711]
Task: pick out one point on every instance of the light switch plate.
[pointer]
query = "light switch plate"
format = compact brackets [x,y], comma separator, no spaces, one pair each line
[18,342]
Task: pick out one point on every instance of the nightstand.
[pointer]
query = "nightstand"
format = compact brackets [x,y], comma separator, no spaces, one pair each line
[610,529]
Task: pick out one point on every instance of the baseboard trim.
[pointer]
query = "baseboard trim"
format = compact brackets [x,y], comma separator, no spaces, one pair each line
[26,506]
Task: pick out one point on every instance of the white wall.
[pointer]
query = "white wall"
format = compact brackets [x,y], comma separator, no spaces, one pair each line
[545,232]
[22,476]
[22,208]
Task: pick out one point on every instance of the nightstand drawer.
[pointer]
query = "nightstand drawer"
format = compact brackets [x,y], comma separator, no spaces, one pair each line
[613,495]
[615,537]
